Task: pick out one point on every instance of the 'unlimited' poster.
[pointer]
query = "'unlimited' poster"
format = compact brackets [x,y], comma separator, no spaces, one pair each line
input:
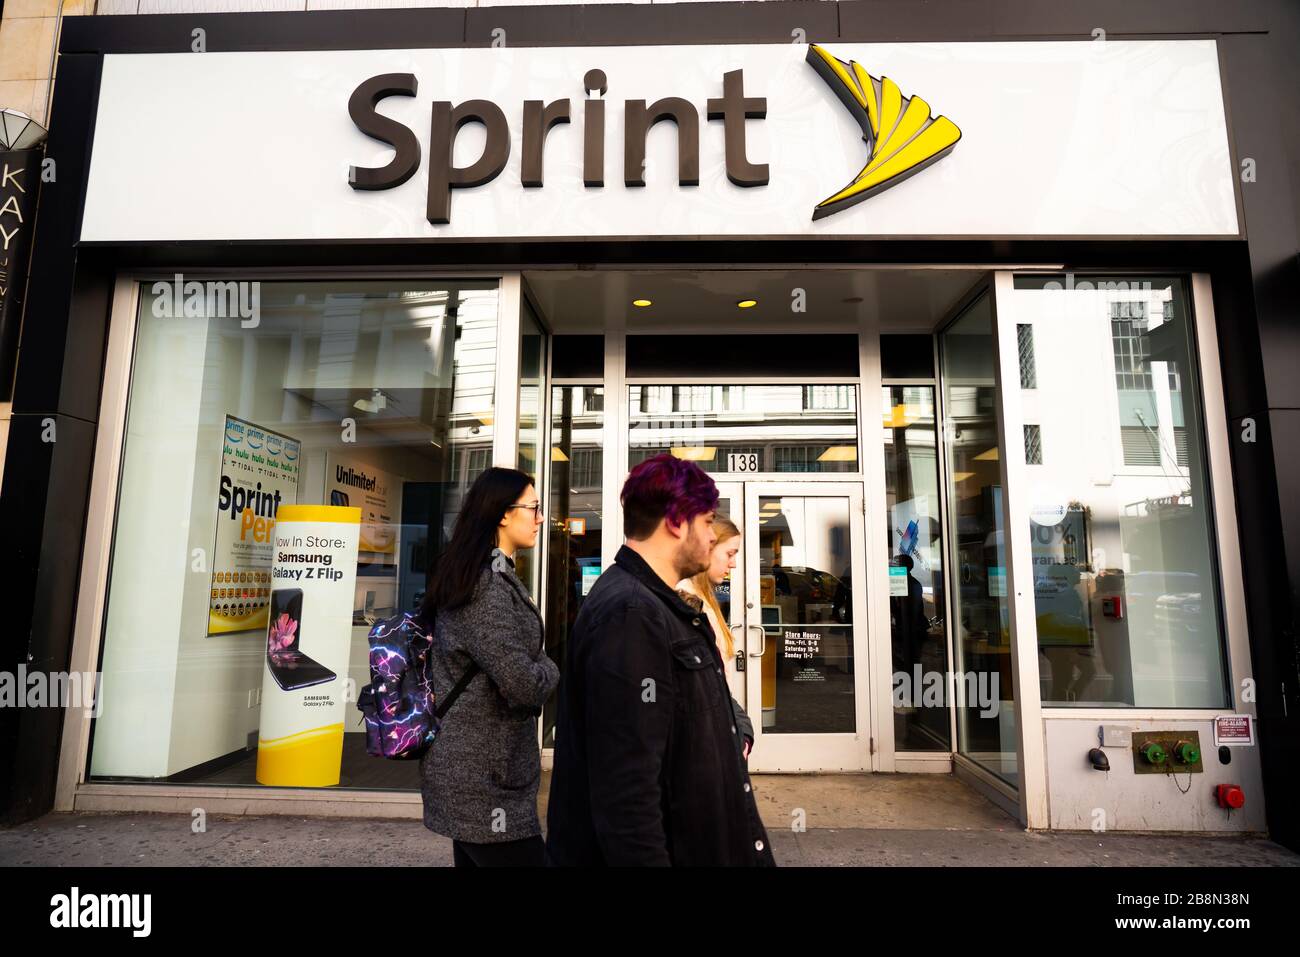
[259,473]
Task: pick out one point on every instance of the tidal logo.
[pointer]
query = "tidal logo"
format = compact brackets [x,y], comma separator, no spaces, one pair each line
[902,137]
[733,108]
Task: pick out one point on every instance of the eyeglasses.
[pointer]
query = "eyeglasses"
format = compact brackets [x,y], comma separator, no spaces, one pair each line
[535,508]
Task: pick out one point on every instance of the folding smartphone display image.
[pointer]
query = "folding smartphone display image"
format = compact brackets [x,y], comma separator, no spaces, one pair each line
[290,668]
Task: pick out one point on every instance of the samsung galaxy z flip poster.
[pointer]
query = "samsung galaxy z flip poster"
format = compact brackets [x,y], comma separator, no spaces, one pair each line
[259,473]
[308,643]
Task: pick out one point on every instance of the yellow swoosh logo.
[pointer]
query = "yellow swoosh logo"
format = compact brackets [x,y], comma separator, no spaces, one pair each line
[901,135]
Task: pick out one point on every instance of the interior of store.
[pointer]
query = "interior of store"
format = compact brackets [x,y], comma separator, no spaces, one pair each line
[384,390]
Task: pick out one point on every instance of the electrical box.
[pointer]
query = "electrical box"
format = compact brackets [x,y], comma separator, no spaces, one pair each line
[1116,736]
[1167,752]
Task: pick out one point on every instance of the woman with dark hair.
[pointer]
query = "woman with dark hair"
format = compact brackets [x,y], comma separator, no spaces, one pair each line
[480,775]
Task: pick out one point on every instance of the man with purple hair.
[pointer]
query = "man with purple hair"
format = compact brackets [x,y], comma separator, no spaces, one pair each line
[647,768]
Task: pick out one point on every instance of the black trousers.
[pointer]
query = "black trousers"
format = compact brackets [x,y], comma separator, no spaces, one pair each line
[526,852]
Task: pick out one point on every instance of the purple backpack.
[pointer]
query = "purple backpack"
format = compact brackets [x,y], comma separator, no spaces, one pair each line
[398,706]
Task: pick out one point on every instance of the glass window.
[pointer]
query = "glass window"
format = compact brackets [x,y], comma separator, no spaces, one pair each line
[1033,444]
[375,395]
[1125,581]
[1025,346]
[751,428]
[828,397]
[986,712]
[574,518]
[916,596]
[805,580]
[532,369]
[1128,334]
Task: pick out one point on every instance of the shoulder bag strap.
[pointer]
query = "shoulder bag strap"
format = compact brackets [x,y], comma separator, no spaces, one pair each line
[445,705]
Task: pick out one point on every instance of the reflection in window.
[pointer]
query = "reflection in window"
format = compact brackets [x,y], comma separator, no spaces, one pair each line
[1124,565]
[1025,346]
[379,395]
[986,712]
[532,368]
[805,582]
[828,397]
[753,428]
[1033,444]
[573,521]
[916,598]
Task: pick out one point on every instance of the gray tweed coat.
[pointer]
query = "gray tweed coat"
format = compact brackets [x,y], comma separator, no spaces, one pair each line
[480,775]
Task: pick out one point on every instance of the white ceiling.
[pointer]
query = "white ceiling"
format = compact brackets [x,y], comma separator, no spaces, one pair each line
[695,301]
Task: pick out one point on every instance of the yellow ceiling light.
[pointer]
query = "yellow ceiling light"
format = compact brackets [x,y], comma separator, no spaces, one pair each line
[695,453]
[557,454]
[839,453]
[900,416]
[642,303]
[962,476]
[747,304]
[988,455]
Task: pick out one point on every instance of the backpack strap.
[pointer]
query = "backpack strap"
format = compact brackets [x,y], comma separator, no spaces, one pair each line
[445,705]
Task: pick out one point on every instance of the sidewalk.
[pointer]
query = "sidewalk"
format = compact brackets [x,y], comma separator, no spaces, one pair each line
[853,820]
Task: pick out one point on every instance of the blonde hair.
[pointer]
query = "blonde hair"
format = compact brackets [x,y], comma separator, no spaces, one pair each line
[726,530]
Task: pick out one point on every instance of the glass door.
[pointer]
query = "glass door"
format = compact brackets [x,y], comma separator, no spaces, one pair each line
[805,641]
[981,614]
[730,594]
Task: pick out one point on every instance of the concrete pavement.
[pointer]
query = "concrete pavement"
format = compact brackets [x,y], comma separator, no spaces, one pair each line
[812,820]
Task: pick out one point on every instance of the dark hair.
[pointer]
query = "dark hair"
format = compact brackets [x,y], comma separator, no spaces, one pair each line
[456,571]
[665,487]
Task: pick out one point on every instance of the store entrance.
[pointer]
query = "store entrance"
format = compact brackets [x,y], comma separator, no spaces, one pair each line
[797,611]
[808,396]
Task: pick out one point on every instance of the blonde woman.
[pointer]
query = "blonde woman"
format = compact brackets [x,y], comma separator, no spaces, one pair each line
[700,592]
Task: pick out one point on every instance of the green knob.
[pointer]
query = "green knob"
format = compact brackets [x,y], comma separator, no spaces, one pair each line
[1154,753]
[1187,752]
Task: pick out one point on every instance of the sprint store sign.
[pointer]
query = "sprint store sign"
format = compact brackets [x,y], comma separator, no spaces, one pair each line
[746,140]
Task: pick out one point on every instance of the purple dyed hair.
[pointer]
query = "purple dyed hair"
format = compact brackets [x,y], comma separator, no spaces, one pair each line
[665,487]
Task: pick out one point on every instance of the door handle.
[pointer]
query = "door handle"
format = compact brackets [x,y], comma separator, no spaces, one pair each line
[762,646]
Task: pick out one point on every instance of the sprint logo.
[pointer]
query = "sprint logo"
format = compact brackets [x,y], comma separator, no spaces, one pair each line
[901,135]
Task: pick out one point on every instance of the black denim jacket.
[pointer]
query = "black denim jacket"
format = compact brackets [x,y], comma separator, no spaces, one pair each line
[647,769]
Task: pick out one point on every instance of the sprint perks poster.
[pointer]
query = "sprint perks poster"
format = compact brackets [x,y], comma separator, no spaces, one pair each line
[259,473]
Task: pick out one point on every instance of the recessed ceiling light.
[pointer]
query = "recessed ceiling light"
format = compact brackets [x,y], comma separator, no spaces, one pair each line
[695,453]
[642,303]
[747,304]
[374,405]
[839,453]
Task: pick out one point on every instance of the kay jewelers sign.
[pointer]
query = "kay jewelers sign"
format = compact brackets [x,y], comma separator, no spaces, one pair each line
[890,139]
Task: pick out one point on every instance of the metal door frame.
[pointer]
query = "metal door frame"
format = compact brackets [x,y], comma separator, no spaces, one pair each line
[833,751]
